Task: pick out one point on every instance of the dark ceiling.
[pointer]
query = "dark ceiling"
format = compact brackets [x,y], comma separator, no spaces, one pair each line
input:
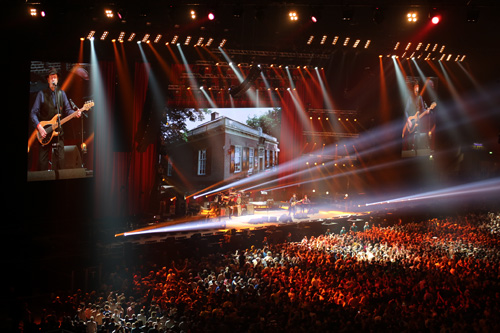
[263,26]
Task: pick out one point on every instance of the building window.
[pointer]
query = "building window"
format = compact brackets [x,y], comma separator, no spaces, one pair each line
[202,162]
[250,158]
[237,159]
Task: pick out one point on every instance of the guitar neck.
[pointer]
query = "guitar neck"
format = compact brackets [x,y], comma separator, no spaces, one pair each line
[71,116]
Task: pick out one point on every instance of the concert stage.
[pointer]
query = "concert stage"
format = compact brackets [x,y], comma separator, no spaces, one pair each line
[327,216]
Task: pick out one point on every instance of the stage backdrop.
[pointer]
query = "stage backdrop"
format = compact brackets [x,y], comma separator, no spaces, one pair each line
[125,178]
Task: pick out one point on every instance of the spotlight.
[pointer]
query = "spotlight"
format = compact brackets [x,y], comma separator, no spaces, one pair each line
[412,17]
[211,16]
[192,14]
[293,16]
[435,16]
[109,13]
[316,14]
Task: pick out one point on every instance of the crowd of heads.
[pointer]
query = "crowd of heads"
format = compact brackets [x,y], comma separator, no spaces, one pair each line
[436,275]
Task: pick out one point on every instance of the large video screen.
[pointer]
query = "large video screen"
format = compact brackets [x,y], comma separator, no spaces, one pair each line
[419,127]
[60,122]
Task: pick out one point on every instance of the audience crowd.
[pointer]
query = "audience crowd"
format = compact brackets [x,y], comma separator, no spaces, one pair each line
[438,275]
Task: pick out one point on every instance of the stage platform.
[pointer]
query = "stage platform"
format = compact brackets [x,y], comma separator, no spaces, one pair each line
[331,216]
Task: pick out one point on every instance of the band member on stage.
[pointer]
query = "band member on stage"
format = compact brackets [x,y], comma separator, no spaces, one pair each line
[292,207]
[305,203]
[237,205]
[48,103]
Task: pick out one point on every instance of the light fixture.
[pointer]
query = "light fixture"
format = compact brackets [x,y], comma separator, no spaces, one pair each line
[192,14]
[412,17]
[108,13]
[293,16]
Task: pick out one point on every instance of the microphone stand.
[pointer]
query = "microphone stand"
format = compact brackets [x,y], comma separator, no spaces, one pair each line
[59,129]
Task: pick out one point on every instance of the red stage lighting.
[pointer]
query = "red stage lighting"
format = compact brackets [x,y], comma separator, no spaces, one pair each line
[435,19]
[211,16]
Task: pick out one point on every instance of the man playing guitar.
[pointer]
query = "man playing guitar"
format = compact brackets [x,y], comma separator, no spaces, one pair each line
[415,110]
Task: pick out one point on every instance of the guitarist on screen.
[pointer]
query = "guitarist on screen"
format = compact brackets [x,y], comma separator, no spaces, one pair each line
[51,102]
[415,110]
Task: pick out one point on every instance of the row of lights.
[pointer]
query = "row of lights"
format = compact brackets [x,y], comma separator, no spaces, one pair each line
[428,56]
[293,15]
[336,39]
[339,119]
[147,39]
[426,49]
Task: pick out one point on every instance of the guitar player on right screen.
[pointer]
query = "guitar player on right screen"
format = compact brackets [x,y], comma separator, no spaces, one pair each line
[414,134]
[45,109]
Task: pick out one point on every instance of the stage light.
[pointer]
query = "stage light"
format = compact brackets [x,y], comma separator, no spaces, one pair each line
[192,14]
[108,13]
[435,19]
[121,36]
[293,16]
[412,17]
[211,16]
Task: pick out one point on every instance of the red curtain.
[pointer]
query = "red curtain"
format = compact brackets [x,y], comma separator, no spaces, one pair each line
[124,179]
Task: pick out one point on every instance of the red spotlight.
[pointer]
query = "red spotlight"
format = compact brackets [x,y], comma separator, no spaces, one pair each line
[211,16]
[435,19]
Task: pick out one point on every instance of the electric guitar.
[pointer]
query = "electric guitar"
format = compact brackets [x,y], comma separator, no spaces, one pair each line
[415,119]
[52,125]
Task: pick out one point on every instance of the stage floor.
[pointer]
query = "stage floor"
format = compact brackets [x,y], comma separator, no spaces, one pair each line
[262,218]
